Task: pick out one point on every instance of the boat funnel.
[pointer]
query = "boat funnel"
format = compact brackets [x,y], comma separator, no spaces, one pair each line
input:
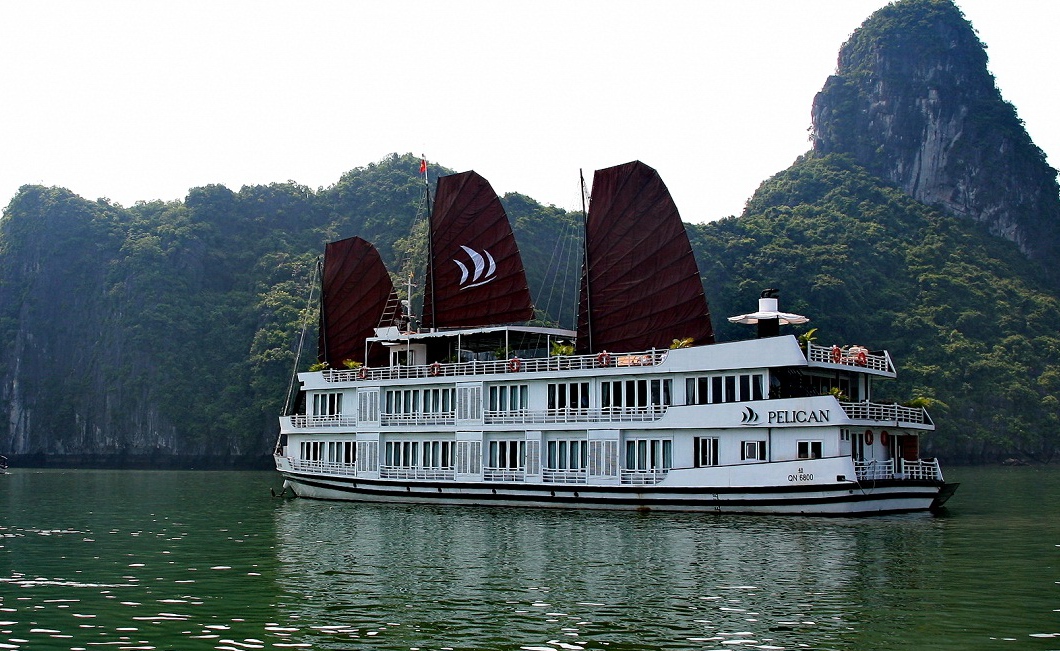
[769,318]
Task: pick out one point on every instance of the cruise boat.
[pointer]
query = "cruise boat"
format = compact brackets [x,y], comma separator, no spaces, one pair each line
[644,410]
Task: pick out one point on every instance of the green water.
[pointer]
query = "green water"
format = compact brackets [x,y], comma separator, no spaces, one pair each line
[210,560]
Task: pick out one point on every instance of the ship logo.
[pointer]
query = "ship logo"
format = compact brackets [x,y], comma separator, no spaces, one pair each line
[482,269]
[749,417]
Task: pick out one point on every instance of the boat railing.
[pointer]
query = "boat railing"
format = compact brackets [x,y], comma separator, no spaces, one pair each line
[892,413]
[576,415]
[324,467]
[439,418]
[878,469]
[500,366]
[302,421]
[416,472]
[858,356]
[563,476]
[503,474]
[644,477]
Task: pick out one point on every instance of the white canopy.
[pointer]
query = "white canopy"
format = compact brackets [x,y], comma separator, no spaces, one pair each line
[767,309]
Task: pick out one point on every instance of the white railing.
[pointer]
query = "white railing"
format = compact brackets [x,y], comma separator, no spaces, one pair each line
[501,366]
[874,469]
[920,469]
[443,418]
[857,356]
[892,413]
[643,477]
[503,474]
[406,472]
[557,476]
[581,415]
[325,467]
[301,421]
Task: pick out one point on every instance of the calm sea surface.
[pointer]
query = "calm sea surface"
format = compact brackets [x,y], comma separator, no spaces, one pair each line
[210,560]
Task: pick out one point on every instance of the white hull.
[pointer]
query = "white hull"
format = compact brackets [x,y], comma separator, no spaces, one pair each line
[792,498]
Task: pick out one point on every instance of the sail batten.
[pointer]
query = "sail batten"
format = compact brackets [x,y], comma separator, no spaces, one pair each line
[476,276]
[639,276]
[356,290]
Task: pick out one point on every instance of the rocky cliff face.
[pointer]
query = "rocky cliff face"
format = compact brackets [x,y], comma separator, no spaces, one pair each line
[82,327]
[912,100]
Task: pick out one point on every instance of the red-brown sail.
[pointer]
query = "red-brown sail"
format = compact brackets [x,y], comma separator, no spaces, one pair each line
[476,276]
[356,291]
[640,284]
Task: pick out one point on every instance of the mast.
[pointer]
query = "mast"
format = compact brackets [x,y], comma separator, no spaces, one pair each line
[585,258]
[430,241]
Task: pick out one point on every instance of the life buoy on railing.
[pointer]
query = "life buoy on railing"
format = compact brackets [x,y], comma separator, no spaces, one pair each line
[362,373]
[603,359]
[868,437]
[436,368]
[837,355]
[884,437]
[514,364]
[862,358]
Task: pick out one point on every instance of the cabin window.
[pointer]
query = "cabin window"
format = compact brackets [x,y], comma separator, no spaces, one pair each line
[753,451]
[420,401]
[327,404]
[714,389]
[437,454]
[568,395]
[757,386]
[705,451]
[649,454]
[730,388]
[418,454]
[809,449]
[816,385]
[508,397]
[568,454]
[627,394]
[507,454]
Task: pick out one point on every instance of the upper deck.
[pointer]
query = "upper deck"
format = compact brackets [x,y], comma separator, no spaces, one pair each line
[772,352]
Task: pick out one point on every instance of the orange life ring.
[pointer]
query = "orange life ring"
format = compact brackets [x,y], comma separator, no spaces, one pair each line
[603,359]
[362,373]
[837,355]
[436,368]
[884,437]
[514,364]
[862,359]
[868,437]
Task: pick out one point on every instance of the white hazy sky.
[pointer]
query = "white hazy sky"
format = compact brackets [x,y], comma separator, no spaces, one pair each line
[142,100]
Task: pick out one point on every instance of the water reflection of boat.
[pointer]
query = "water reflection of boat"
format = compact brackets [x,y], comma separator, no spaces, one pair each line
[528,578]
[470,409]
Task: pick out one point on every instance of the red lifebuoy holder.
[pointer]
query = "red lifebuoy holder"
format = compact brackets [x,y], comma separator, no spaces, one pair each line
[862,359]
[514,364]
[436,368]
[885,437]
[837,355]
[868,437]
[603,359]
[362,373]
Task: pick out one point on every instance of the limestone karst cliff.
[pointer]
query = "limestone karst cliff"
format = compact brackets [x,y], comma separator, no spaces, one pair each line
[913,101]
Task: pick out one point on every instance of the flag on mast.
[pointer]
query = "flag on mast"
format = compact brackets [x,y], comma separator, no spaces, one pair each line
[423,164]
